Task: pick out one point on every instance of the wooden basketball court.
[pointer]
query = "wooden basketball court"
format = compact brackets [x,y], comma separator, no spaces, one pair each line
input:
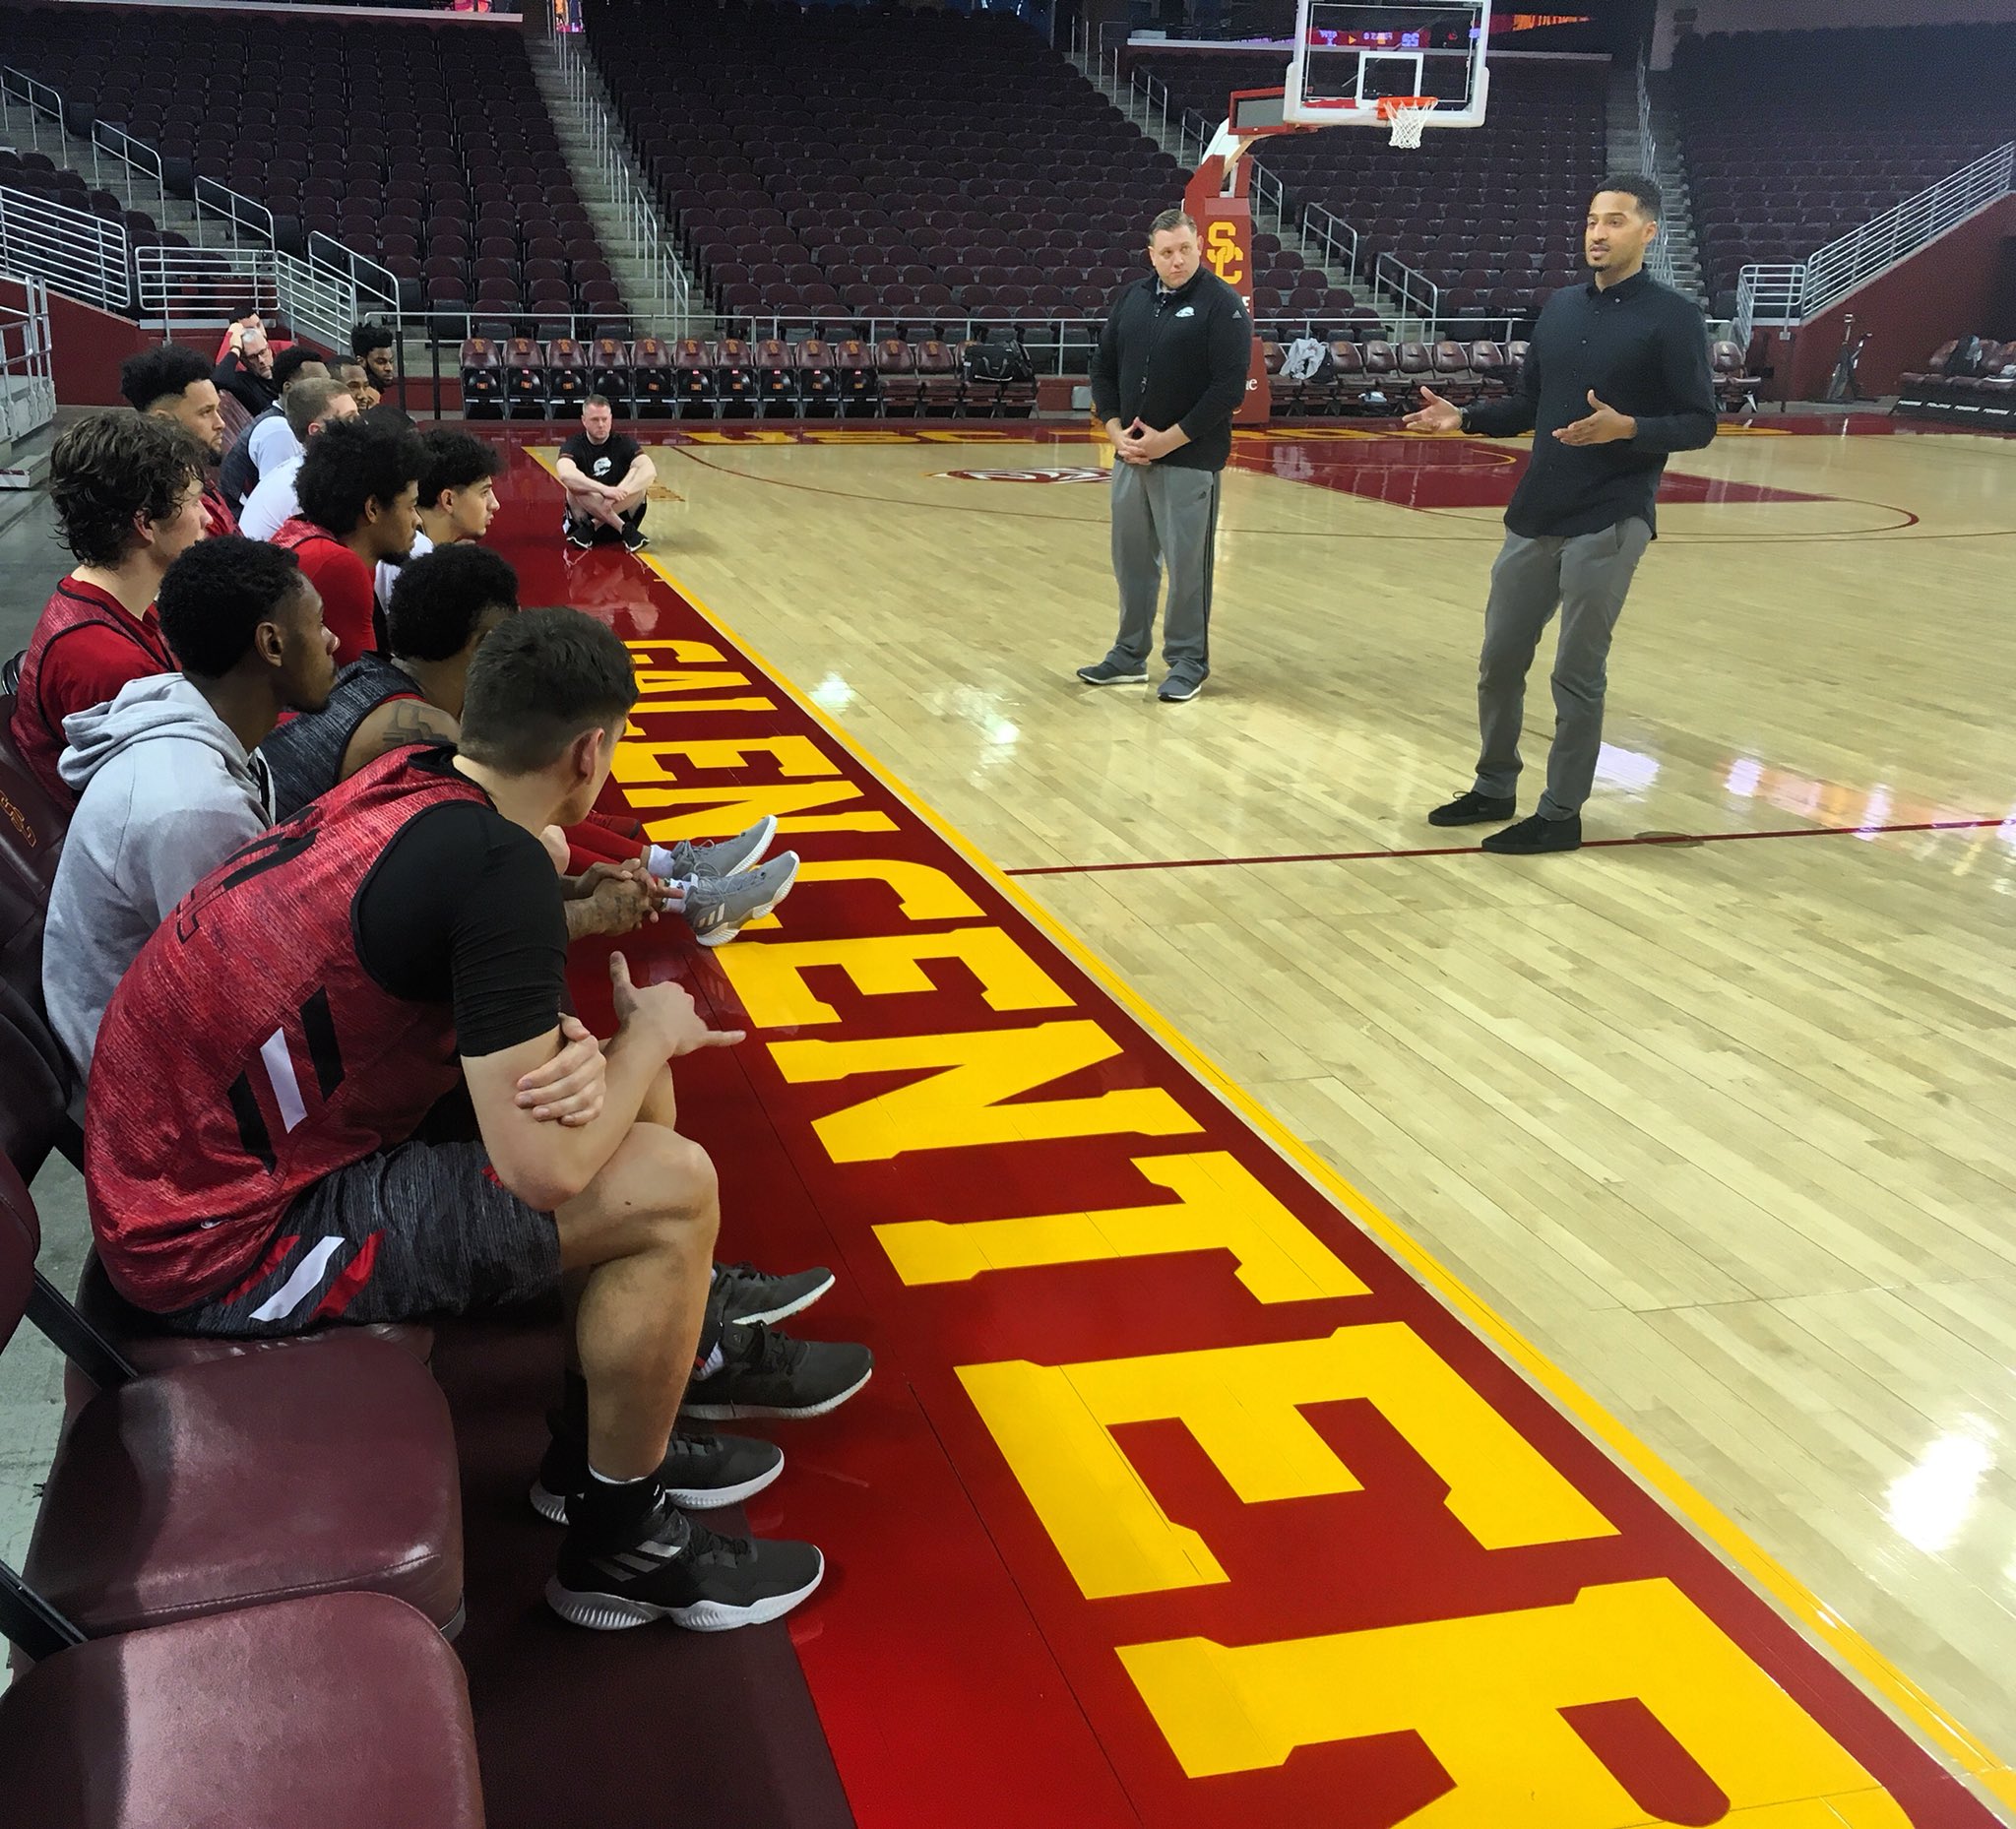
[1701,1130]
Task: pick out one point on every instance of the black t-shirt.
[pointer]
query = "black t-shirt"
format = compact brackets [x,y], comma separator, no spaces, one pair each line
[607,463]
[465,907]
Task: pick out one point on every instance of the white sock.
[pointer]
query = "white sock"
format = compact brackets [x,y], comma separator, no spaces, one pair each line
[659,860]
[712,1363]
[597,1475]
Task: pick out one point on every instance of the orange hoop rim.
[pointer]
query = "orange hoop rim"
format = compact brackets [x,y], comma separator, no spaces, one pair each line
[1390,105]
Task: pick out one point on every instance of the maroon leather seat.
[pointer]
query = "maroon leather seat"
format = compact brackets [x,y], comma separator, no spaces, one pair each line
[147,1347]
[324,1713]
[218,1485]
[206,1488]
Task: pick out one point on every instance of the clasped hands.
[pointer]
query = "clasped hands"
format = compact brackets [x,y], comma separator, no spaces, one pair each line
[1140,443]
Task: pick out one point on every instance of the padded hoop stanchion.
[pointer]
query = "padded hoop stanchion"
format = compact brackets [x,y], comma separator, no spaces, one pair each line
[1216,200]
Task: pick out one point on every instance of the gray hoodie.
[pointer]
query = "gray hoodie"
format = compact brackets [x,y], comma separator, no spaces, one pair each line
[168,794]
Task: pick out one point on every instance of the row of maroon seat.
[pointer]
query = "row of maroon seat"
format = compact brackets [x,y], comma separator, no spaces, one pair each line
[1969,380]
[730,376]
[247,1559]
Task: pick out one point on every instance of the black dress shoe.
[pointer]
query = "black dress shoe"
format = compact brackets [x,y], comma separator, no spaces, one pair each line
[1474,809]
[1532,835]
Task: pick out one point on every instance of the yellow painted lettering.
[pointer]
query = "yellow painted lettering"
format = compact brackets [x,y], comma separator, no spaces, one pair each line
[1053,1424]
[795,757]
[682,651]
[1486,1695]
[923,892]
[961,1103]
[718,812]
[769,974]
[1218,1207]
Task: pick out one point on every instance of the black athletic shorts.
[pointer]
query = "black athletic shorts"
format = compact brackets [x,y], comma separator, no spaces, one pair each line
[423,1229]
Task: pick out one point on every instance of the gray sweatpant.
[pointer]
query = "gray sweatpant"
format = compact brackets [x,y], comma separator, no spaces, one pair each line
[1586,577]
[1164,519]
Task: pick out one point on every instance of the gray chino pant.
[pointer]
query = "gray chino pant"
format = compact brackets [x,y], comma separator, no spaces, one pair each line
[1586,577]
[1164,519]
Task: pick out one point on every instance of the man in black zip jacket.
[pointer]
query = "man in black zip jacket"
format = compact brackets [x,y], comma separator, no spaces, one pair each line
[1617,378]
[1167,376]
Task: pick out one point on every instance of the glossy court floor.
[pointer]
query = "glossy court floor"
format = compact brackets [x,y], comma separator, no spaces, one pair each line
[1722,1127]
[1683,1154]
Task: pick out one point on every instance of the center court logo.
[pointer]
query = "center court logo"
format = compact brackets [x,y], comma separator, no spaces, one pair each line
[1074,473]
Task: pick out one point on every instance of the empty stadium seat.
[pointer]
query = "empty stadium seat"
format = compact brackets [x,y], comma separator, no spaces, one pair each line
[413,126]
[319,1713]
[896,377]
[653,379]
[693,377]
[482,379]
[609,373]
[525,379]
[568,377]
[1796,139]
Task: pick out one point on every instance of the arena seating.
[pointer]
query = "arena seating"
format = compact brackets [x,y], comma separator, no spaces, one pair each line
[1490,215]
[1796,139]
[1974,384]
[39,175]
[428,148]
[835,171]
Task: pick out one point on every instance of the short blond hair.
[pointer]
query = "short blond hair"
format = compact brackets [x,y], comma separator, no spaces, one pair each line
[1169,221]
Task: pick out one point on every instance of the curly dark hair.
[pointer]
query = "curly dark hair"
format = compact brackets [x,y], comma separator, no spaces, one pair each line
[455,461]
[108,468]
[348,465]
[214,597]
[439,599]
[163,372]
[364,338]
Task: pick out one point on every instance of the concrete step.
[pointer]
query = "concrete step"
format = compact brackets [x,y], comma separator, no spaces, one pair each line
[637,276]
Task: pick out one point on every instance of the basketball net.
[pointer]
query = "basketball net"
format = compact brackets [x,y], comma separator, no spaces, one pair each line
[1407,115]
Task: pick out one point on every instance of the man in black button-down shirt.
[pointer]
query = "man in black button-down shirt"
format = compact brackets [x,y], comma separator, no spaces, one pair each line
[1617,377]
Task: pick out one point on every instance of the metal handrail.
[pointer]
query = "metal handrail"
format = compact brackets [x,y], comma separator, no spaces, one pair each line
[670,299]
[1337,239]
[371,282]
[1660,258]
[237,210]
[1768,294]
[134,155]
[1794,293]
[27,382]
[1418,296]
[1847,263]
[87,256]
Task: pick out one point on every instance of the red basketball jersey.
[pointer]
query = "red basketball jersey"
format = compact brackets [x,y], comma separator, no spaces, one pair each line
[247,1053]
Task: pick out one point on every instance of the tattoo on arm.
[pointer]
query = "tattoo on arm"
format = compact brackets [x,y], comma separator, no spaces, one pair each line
[412,720]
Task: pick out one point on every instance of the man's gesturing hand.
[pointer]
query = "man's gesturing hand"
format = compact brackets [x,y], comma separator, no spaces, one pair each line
[1605,425]
[664,1013]
[1438,416]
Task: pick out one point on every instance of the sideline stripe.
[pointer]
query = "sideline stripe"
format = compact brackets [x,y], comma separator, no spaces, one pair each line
[1459,851]
[1793,1598]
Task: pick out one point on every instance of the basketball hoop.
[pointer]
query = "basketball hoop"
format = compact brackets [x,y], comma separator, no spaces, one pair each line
[1407,115]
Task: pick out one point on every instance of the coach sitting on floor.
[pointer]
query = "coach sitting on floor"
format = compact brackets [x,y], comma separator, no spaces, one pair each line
[1617,378]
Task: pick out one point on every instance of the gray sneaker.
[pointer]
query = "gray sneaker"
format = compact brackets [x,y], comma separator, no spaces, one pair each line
[718,906]
[1112,673]
[725,857]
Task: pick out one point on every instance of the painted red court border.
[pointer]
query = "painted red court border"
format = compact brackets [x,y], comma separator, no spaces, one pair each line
[960,1674]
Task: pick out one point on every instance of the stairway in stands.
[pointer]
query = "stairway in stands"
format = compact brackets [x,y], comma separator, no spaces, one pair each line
[1266,218]
[610,186]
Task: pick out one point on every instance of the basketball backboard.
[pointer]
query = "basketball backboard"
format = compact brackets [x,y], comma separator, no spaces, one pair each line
[1352,54]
